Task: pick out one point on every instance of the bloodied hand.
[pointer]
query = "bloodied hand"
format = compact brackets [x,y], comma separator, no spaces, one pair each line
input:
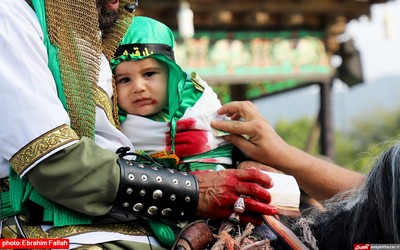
[219,190]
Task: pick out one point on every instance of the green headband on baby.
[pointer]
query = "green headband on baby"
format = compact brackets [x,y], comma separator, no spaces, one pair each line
[143,50]
[146,37]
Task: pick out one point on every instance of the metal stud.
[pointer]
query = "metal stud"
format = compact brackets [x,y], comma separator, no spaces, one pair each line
[158,179]
[187,198]
[129,163]
[131,177]
[188,183]
[171,170]
[157,194]
[172,197]
[129,190]
[152,210]
[154,168]
[140,165]
[126,204]
[175,181]
[166,211]
[184,173]
[144,177]
[142,192]
[137,207]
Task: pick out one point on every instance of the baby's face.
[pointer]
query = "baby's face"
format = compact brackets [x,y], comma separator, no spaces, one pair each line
[142,86]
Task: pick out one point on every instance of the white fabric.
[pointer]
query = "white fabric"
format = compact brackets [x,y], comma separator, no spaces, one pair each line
[106,134]
[100,237]
[150,136]
[29,106]
[145,134]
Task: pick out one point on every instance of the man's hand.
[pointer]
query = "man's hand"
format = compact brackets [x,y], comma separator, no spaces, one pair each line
[219,190]
[262,143]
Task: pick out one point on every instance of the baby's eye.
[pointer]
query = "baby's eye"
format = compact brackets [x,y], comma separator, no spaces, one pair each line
[149,74]
[123,80]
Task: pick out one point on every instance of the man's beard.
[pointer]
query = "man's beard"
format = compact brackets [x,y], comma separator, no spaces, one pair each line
[107,18]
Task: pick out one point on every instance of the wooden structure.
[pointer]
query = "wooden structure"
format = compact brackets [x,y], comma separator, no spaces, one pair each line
[228,15]
[325,18]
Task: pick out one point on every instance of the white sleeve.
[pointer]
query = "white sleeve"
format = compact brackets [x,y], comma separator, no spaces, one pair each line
[29,106]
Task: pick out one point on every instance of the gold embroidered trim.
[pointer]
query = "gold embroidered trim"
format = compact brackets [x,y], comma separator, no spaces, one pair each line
[42,146]
[103,102]
[199,83]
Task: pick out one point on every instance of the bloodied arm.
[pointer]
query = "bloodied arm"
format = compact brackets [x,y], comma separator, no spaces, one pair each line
[94,193]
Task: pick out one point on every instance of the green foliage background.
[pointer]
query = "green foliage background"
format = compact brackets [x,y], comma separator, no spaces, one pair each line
[357,148]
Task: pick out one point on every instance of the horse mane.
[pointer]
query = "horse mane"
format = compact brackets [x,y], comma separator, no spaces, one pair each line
[368,213]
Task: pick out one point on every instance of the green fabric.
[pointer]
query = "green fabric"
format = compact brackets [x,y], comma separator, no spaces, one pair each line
[52,51]
[188,97]
[59,215]
[90,173]
[6,209]
[56,214]
[20,189]
[12,202]
[223,151]
[162,232]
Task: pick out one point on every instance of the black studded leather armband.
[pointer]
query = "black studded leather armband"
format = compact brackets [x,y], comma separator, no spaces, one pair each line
[151,191]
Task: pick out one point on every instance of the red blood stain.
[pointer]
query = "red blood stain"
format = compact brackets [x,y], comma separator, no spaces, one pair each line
[210,160]
[188,140]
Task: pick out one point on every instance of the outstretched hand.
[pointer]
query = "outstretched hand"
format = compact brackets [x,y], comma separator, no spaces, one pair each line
[316,176]
[219,190]
[263,144]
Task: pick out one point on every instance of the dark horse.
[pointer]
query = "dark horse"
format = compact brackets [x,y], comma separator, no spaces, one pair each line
[366,214]
[369,213]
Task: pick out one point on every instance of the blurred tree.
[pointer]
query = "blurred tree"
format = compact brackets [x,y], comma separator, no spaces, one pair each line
[296,133]
[369,136]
